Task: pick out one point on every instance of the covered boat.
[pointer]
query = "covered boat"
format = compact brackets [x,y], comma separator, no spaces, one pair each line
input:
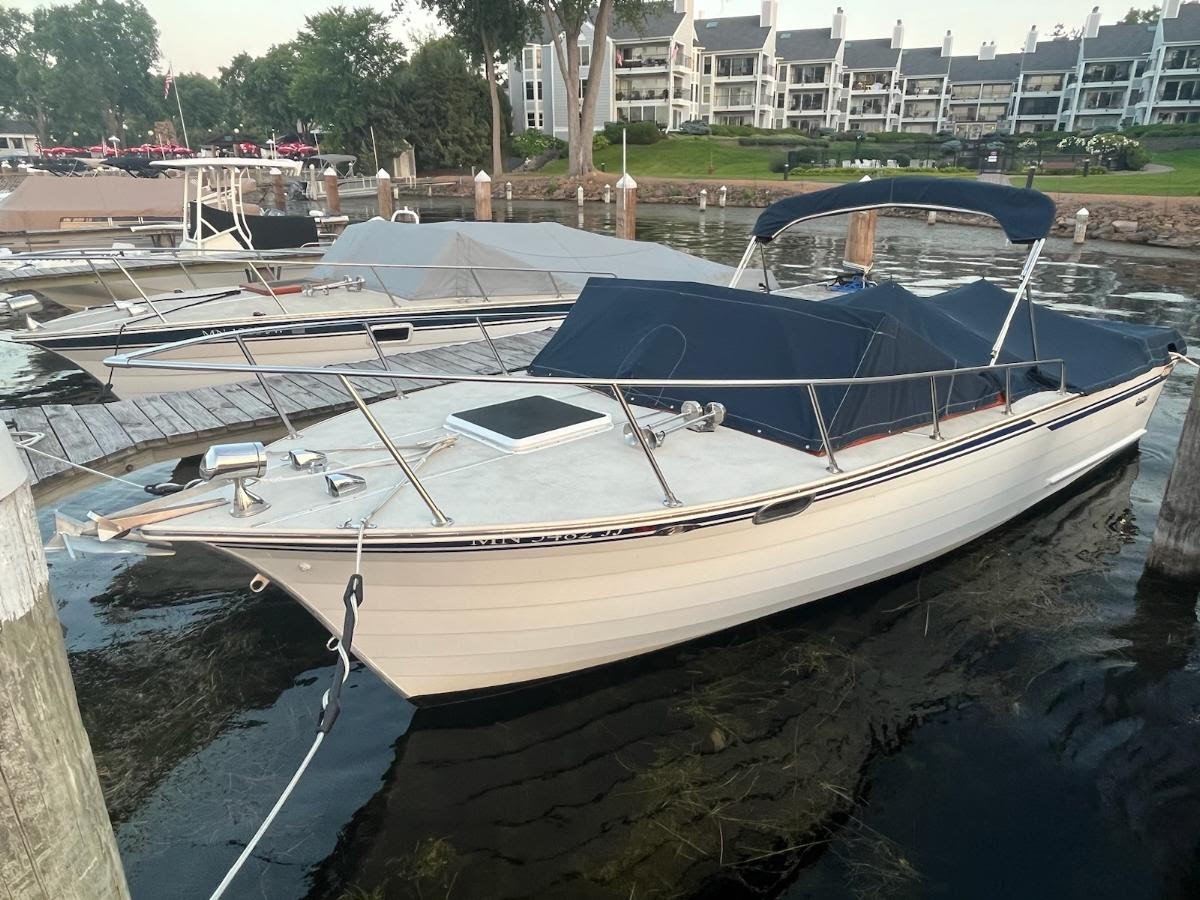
[680,459]
[382,287]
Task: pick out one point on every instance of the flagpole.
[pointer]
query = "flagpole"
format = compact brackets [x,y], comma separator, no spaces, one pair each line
[179,106]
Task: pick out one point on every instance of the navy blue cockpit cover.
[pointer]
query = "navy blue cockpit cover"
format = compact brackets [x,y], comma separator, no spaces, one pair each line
[1025,215]
[624,328]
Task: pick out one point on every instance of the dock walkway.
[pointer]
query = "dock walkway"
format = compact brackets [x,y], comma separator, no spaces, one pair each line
[124,435]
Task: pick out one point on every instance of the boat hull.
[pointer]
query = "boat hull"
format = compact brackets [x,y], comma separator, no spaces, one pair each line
[83,290]
[343,342]
[447,617]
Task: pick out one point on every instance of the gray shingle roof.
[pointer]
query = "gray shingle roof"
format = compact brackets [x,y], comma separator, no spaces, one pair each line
[1005,67]
[657,25]
[1184,27]
[876,53]
[1119,42]
[1052,56]
[731,33]
[924,61]
[801,44]
[17,126]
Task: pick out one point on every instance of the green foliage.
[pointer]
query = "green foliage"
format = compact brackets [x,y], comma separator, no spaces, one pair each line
[204,103]
[903,160]
[345,74]
[442,107]
[1141,16]
[256,89]
[534,143]
[783,139]
[1178,129]
[82,68]
[600,141]
[635,132]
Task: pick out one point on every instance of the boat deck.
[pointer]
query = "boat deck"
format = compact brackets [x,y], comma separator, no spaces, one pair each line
[121,436]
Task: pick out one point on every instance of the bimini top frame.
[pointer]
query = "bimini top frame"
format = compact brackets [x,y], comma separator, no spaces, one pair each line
[1025,215]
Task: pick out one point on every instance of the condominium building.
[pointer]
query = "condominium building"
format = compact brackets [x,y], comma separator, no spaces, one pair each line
[747,70]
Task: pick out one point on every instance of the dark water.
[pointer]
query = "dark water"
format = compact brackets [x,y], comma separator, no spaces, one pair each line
[1021,718]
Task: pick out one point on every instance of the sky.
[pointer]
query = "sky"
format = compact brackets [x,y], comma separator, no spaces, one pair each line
[202,35]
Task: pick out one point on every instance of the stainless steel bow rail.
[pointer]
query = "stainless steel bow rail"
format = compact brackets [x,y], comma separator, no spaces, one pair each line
[276,266]
[145,359]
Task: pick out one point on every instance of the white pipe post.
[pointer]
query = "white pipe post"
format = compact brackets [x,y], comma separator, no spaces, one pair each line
[703,199]
[508,191]
[721,198]
[579,195]
[1081,224]
[608,193]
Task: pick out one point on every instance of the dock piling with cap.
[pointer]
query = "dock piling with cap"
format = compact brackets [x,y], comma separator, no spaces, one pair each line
[860,238]
[333,200]
[483,197]
[384,195]
[627,208]
[279,189]
[1081,224]
[55,836]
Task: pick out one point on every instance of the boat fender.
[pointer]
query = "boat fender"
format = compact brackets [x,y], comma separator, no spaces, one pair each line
[782,509]
[259,583]
[165,488]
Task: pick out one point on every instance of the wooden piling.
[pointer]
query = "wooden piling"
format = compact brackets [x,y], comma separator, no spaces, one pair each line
[56,840]
[1081,224]
[627,208]
[1175,548]
[333,200]
[279,188]
[483,197]
[860,239]
[383,192]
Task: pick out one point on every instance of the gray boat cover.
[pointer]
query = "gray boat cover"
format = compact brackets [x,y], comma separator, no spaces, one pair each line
[551,258]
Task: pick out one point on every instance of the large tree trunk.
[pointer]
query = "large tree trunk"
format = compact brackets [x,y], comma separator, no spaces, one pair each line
[566,49]
[583,158]
[489,67]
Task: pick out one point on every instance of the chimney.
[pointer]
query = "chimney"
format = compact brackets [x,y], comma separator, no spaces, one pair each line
[770,9]
[947,45]
[1171,9]
[838,32]
[988,50]
[898,35]
[681,6]
[1091,26]
[1031,40]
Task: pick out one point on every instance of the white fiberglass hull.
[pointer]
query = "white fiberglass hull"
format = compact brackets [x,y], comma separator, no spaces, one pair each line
[479,614]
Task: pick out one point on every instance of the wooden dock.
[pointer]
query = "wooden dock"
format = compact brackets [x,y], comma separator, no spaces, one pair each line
[124,435]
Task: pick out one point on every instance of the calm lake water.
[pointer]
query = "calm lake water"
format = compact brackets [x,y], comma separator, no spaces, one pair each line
[1019,719]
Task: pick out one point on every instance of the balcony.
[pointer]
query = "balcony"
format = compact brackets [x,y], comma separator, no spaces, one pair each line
[920,114]
[862,87]
[913,91]
[801,108]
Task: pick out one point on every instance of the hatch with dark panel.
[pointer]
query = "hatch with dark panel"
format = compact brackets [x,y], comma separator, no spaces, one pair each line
[528,423]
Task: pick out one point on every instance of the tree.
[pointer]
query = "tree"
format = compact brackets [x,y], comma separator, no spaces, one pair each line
[1137,16]
[204,103]
[259,93]
[487,29]
[1061,33]
[443,107]
[345,72]
[82,68]
[566,19]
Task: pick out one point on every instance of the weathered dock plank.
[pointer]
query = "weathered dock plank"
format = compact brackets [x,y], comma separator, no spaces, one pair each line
[34,419]
[72,433]
[221,407]
[260,413]
[169,422]
[140,429]
[114,441]
[200,419]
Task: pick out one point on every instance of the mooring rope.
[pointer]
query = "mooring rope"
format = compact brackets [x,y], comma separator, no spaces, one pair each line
[26,439]
[330,708]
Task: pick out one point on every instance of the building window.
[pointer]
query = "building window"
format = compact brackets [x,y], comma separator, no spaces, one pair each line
[1037,83]
[735,66]
[533,58]
[1038,106]
[965,91]
[1180,90]
[1104,100]
[706,97]
[585,55]
[1182,58]
[808,74]
[1106,72]
[530,120]
[708,65]
[779,101]
[533,90]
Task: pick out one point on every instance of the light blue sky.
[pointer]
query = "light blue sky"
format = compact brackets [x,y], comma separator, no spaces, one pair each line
[201,35]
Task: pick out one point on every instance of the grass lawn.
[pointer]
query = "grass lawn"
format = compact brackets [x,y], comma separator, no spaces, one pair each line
[1184,181]
[687,156]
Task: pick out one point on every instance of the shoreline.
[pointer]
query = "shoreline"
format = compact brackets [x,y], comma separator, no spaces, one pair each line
[1170,222]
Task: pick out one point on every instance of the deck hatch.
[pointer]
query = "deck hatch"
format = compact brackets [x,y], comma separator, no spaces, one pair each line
[528,423]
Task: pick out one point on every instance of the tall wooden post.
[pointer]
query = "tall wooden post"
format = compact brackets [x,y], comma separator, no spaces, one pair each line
[860,239]
[333,200]
[483,197]
[627,208]
[279,188]
[1175,549]
[55,837]
[383,191]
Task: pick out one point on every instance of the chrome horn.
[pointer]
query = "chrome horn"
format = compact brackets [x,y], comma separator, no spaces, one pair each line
[239,462]
[691,415]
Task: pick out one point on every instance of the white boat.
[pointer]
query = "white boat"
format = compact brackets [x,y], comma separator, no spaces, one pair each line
[441,283]
[682,458]
[218,233]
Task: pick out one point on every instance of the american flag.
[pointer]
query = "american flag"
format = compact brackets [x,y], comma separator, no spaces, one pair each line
[168,80]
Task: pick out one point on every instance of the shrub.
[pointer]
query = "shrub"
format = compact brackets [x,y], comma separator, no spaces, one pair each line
[732,130]
[635,132]
[806,156]
[694,126]
[533,143]
[600,141]
[780,140]
[903,160]
[778,163]
[1136,158]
